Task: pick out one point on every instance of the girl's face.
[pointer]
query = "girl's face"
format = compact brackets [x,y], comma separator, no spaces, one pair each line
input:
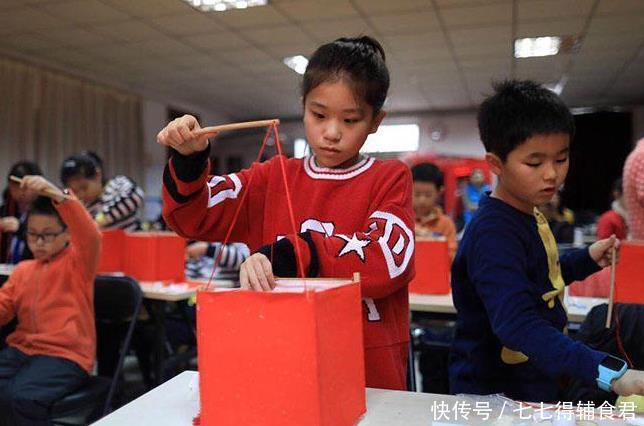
[337,123]
[86,189]
[23,196]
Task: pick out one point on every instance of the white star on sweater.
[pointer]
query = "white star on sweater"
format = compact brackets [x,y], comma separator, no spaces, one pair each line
[353,244]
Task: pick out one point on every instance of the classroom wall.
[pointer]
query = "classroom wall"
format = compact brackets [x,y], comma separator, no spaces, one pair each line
[459,133]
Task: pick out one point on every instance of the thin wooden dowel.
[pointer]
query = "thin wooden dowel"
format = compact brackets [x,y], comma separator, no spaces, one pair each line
[236,126]
[611,297]
[46,191]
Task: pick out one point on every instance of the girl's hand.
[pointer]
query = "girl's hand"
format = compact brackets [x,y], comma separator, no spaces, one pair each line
[42,186]
[600,251]
[631,383]
[256,273]
[180,135]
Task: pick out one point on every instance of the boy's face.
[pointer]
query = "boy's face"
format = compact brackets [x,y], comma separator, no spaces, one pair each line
[337,123]
[425,196]
[533,172]
[46,236]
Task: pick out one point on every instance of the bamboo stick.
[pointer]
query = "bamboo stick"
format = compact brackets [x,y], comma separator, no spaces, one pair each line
[236,126]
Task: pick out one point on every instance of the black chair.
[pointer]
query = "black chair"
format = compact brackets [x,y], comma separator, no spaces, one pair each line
[117,301]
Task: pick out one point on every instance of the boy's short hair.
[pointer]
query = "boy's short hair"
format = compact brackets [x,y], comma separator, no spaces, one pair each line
[43,206]
[518,110]
[427,172]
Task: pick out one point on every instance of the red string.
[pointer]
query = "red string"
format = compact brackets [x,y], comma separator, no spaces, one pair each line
[239,206]
[289,204]
[298,252]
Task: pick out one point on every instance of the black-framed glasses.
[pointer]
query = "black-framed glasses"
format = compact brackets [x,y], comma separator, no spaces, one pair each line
[46,237]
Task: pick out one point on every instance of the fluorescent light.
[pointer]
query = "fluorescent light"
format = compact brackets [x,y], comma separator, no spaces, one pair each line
[224,5]
[297,63]
[393,138]
[536,46]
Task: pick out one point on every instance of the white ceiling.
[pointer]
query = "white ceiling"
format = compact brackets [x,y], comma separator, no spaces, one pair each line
[442,54]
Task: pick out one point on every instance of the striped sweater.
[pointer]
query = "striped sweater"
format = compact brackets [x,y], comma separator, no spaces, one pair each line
[228,268]
[119,205]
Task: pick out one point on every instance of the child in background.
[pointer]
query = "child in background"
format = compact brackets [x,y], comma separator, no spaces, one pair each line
[613,222]
[52,350]
[353,212]
[114,204]
[13,214]
[560,219]
[431,222]
[507,277]
[556,212]
[472,193]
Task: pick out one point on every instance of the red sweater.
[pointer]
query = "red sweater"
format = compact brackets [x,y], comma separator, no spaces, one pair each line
[611,223]
[54,299]
[358,219]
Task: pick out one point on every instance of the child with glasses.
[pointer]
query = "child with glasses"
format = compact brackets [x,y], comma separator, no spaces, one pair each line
[53,348]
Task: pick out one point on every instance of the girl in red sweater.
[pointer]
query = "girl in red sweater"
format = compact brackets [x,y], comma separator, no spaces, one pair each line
[353,213]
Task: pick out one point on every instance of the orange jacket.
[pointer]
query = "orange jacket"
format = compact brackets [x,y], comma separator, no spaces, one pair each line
[438,224]
[54,299]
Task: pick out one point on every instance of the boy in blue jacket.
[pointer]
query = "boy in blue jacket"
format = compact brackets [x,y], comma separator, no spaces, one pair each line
[507,277]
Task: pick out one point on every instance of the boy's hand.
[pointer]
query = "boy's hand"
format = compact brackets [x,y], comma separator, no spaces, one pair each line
[9,224]
[631,383]
[42,186]
[196,250]
[180,135]
[256,273]
[600,251]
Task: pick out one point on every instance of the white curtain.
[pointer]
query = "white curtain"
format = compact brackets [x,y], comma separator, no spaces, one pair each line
[46,116]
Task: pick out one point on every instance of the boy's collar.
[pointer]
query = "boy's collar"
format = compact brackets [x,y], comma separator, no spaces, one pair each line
[488,198]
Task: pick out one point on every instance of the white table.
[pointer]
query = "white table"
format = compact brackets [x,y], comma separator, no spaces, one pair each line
[578,307]
[175,403]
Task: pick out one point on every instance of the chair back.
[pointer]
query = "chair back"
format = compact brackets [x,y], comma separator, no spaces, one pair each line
[117,300]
